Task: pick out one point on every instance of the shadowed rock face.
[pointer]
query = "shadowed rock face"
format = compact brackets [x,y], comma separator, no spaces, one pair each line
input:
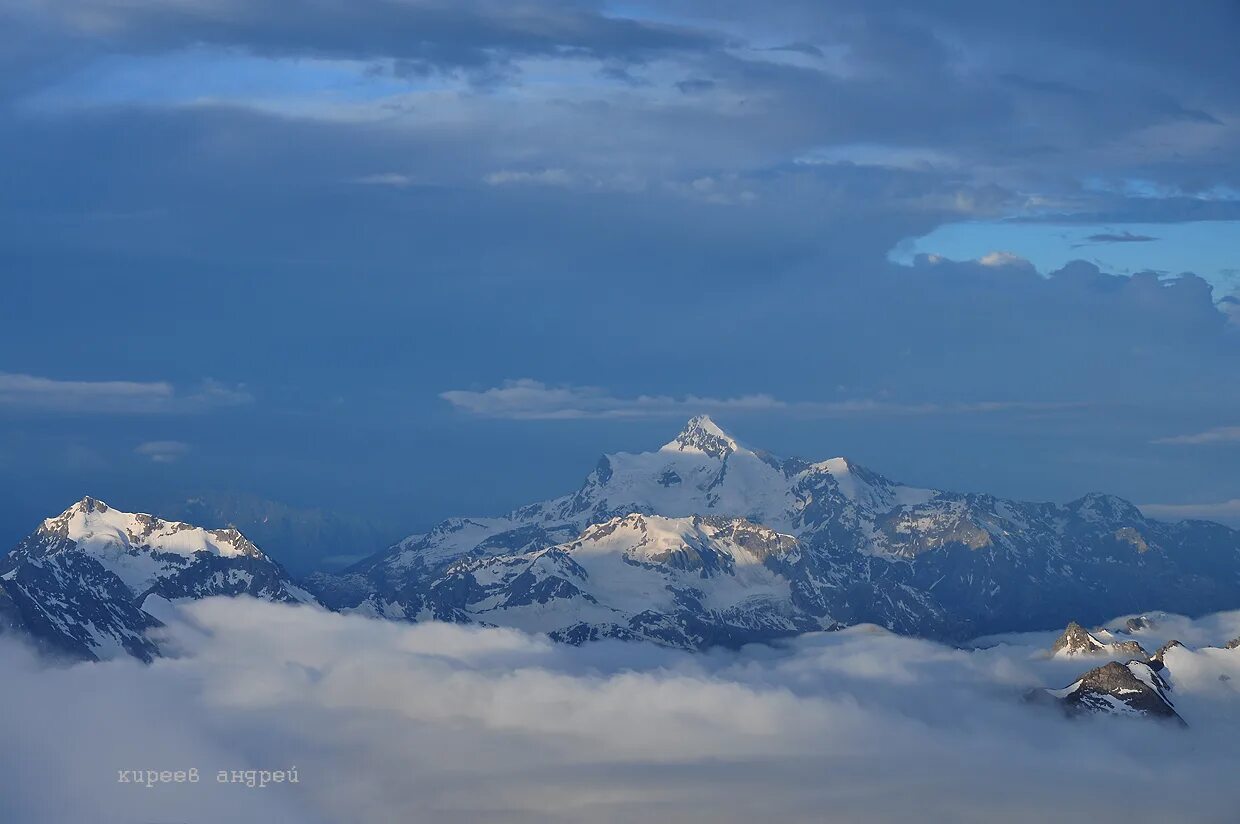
[12,621]
[1232,644]
[1133,689]
[1131,648]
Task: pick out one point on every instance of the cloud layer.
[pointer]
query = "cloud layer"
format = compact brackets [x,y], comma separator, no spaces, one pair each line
[1217,435]
[31,393]
[442,723]
[1224,511]
[529,399]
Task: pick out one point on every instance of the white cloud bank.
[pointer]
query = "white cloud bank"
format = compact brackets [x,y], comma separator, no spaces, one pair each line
[440,723]
[39,394]
[529,399]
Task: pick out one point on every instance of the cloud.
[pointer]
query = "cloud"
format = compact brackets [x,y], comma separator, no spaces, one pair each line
[386,179]
[998,259]
[808,49]
[529,399]
[1230,307]
[1218,435]
[1226,511]
[424,36]
[695,85]
[1121,237]
[442,723]
[30,393]
[542,177]
[907,108]
[162,451]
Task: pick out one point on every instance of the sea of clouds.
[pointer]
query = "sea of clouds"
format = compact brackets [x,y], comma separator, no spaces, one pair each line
[392,722]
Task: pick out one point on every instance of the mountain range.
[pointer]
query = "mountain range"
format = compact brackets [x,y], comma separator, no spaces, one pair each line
[701,542]
[704,541]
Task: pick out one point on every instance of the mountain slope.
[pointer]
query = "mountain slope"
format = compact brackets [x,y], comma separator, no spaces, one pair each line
[936,563]
[688,582]
[77,585]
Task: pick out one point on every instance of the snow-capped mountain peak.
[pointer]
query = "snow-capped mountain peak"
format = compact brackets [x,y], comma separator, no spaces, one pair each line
[83,581]
[704,436]
[1076,640]
[94,527]
[1134,689]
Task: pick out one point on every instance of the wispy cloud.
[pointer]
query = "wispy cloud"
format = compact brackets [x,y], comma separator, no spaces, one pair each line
[395,179]
[542,177]
[162,451]
[529,399]
[33,393]
[1220,434]
[1228,511]
[1119,237]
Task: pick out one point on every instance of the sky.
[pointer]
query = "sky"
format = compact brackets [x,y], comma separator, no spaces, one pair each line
[856,722]
[405,260]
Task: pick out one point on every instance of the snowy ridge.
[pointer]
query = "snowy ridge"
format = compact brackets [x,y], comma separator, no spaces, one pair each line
[94,526]
[140,549]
